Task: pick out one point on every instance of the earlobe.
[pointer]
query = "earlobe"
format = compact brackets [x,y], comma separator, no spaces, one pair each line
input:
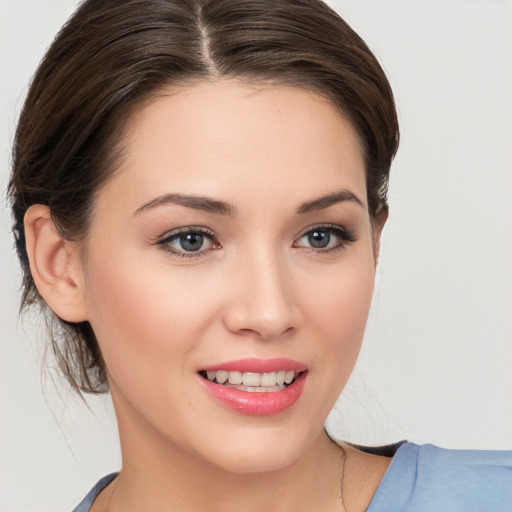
[54,265]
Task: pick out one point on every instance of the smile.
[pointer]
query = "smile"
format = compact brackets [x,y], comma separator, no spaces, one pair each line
[256,387]
[252,382]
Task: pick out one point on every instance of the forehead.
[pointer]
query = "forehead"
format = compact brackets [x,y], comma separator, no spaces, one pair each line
[226,137]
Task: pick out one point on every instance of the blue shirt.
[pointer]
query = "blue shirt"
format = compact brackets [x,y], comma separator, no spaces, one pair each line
[427,479]
[431,479]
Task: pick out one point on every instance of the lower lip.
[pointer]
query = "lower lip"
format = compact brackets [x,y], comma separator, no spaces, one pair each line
[256,404]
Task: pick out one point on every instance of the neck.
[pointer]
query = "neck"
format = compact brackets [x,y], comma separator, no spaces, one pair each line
[159,475]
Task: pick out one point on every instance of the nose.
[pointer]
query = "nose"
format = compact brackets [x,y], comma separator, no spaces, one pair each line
[263,303]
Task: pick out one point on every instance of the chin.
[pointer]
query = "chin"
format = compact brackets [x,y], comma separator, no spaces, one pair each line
[252,463]
[261,450]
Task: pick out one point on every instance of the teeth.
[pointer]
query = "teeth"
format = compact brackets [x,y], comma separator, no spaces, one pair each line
[235,377]
[268,379]
[289,376]
[251,379]
[220,375]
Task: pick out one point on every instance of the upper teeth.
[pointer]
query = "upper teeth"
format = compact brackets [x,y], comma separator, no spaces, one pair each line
[252,379]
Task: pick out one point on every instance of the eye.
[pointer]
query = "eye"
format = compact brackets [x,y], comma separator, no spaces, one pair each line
[189,242]
[325,238]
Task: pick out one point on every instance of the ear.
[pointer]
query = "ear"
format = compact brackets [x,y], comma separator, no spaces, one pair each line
[54,265]
[378,224]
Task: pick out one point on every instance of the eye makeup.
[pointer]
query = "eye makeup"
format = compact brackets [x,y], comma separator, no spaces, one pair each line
[325,238]
[189,242]
[197,241]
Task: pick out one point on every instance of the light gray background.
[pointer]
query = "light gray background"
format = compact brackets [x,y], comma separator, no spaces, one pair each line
[436,362]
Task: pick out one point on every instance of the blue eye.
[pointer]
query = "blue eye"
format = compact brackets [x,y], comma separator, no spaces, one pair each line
[325,238]
[187,242]
[190,241]
[319,238]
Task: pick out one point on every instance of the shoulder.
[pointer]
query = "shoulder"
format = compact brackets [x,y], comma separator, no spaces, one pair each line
[428,478]
[86,503]
[468,469]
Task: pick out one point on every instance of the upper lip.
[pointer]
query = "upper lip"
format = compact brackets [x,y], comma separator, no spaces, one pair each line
[256,365]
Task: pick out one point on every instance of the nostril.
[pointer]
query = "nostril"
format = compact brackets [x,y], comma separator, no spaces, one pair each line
[265,334]
[262,315]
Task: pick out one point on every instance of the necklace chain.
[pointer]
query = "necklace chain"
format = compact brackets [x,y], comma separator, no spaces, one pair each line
[343,455]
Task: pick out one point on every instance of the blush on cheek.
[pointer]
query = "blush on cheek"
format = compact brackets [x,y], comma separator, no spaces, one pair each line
[139,320]
[346,297]
[343,311]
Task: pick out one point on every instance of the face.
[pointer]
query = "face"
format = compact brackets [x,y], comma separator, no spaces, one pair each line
[234,242]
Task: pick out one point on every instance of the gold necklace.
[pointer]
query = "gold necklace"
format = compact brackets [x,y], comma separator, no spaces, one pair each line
[343,454]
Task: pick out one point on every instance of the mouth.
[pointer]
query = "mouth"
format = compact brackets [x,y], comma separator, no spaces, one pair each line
[252,382]
[255,387]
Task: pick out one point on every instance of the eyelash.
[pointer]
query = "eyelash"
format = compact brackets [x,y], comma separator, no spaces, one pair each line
[189,230]
[343,235]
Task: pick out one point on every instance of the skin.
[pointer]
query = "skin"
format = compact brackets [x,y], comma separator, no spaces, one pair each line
[255,289]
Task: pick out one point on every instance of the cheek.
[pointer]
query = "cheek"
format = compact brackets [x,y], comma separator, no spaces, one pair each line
[341,298]
[149,330]
[338,313]
[142,318]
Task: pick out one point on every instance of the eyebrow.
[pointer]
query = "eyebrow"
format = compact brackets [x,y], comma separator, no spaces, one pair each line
[209,205]
[205,204]
[329,200]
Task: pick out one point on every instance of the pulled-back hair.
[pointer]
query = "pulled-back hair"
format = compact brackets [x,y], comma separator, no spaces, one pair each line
[112,56]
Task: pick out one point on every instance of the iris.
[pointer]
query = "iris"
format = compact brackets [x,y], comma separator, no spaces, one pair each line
[319,239]
[191,241]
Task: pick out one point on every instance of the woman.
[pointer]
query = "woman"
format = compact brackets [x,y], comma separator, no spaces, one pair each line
[199,191]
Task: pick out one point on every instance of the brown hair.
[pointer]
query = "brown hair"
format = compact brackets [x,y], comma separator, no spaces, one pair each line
[111,56]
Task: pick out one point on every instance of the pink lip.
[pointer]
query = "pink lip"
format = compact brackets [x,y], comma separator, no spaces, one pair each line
[258,365]
[256,404]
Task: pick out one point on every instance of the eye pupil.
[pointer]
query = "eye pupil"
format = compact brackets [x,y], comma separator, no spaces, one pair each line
[319,239]
[191,241]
